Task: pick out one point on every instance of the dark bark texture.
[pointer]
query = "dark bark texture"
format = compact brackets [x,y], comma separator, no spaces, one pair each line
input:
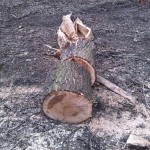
[81,52]
[72,77]
[68,100]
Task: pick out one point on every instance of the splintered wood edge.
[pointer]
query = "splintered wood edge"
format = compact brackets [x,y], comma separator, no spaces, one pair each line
[67,107]
[62,39]
[67,27]
[84,63]
[85,32]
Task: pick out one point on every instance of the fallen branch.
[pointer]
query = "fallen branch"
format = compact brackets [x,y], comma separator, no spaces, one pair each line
[116,89]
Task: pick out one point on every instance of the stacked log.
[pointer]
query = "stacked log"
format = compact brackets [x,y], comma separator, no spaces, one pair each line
[70,94]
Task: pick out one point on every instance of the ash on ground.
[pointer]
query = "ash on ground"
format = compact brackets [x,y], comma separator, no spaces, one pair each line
[122,34]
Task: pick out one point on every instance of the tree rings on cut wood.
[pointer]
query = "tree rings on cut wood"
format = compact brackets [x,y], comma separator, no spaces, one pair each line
[70,94]
[67,107]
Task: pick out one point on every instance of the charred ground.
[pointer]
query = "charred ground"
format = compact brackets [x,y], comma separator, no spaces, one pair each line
[122,55]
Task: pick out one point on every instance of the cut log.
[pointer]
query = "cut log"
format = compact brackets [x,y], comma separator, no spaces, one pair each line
[82,53]
[70,94]
[79,50]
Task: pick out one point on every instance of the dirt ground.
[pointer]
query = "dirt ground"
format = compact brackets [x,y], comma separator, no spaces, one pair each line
[122,55]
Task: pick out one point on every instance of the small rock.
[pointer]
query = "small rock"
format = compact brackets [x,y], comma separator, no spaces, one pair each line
[137,142]
[20,26]
[28,59]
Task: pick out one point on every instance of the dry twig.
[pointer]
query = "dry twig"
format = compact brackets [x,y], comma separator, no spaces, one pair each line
[116,89]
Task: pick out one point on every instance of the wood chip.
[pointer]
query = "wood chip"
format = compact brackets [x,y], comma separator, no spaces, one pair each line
[137,141]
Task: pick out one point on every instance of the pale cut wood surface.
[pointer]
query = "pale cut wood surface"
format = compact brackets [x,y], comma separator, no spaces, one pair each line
[70,94]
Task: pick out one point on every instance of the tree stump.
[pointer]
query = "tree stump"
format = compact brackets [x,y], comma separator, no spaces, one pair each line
[70,94]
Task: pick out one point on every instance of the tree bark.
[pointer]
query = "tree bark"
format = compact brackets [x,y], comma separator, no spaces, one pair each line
[82,53]
[70,94]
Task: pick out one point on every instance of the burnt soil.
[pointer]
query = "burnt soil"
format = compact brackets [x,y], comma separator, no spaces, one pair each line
[122,55]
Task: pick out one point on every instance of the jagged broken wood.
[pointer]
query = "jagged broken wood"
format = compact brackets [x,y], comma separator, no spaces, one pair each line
[70,94]
[67,27]
[82,30]
[76,44]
